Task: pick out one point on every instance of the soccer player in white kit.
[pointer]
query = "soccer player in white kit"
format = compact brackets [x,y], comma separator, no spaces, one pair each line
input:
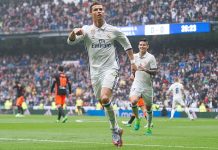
[142,85]
[177,90]
[99,41]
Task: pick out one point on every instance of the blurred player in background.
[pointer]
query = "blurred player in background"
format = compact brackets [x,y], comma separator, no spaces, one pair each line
[19,98]
[177,90]
[142,85]
[79,106]
[60,84]
[99,41]
[140,104]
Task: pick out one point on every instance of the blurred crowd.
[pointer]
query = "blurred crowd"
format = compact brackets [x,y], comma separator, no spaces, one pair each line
[58,15]
[197,70]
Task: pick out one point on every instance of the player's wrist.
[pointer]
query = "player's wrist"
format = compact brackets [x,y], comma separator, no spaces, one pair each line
[72,36]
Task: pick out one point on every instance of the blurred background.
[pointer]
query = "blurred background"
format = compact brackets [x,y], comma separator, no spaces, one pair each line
[183,36]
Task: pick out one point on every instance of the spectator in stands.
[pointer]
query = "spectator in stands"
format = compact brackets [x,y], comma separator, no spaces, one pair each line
[52,15]
[37,70]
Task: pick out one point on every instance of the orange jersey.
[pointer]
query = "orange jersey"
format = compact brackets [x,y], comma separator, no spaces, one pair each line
[19,101]
[60,84]
[140,102]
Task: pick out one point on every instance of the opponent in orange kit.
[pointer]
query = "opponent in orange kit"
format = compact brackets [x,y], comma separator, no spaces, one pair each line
[60,84]
[20,98]
[140,104]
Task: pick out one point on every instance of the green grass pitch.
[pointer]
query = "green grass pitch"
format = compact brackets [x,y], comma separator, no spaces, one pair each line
[38,132]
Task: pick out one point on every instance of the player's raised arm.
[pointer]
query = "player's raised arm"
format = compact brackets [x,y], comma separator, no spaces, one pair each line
[132,60]
[124,41]
[75,36]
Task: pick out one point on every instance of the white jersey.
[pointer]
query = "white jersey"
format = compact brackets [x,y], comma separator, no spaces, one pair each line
[176,88]
[143,79]
[100,45]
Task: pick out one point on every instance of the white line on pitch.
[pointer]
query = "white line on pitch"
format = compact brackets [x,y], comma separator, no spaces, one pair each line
[82,120]
[83,142]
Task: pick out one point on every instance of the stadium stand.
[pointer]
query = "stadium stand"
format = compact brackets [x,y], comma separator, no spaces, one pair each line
[197,69]
[59,15]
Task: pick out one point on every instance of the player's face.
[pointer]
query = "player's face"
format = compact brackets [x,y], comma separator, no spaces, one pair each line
[97,12]
[143,47]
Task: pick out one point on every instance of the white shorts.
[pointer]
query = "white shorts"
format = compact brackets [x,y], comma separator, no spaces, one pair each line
[108,79]
[178,101]
[145,93]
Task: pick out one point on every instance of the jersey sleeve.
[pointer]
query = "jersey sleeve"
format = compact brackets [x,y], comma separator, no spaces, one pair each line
[153,63]
[170,89]
[122,39]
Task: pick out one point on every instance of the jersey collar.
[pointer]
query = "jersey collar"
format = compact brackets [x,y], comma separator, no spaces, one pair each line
[145,55]
[102,27]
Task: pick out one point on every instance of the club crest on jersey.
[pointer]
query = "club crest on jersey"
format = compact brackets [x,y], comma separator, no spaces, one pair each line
[92,33]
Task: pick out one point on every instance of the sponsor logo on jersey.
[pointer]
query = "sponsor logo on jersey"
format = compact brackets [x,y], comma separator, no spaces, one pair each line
[101,44]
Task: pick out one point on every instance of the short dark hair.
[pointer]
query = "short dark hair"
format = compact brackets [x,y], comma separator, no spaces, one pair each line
[93,4]
[176,79]
[60,68]
[143,40]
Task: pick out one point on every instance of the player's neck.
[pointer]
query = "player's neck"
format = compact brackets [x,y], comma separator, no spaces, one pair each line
[142,53]
[99,23]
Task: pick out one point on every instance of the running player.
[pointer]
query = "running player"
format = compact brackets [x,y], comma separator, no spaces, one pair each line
[142,85]
[177,90]
[99,41]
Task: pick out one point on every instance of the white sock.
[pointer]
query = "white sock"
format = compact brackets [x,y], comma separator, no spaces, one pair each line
[172,112]
[188,113]
[111,116]
[194,115]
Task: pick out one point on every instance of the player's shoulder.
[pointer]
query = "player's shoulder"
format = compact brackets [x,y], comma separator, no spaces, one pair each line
[86,27]
[173,85]
[112,28]
[181,84]
[176,83]
[109,26]
[150,55]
